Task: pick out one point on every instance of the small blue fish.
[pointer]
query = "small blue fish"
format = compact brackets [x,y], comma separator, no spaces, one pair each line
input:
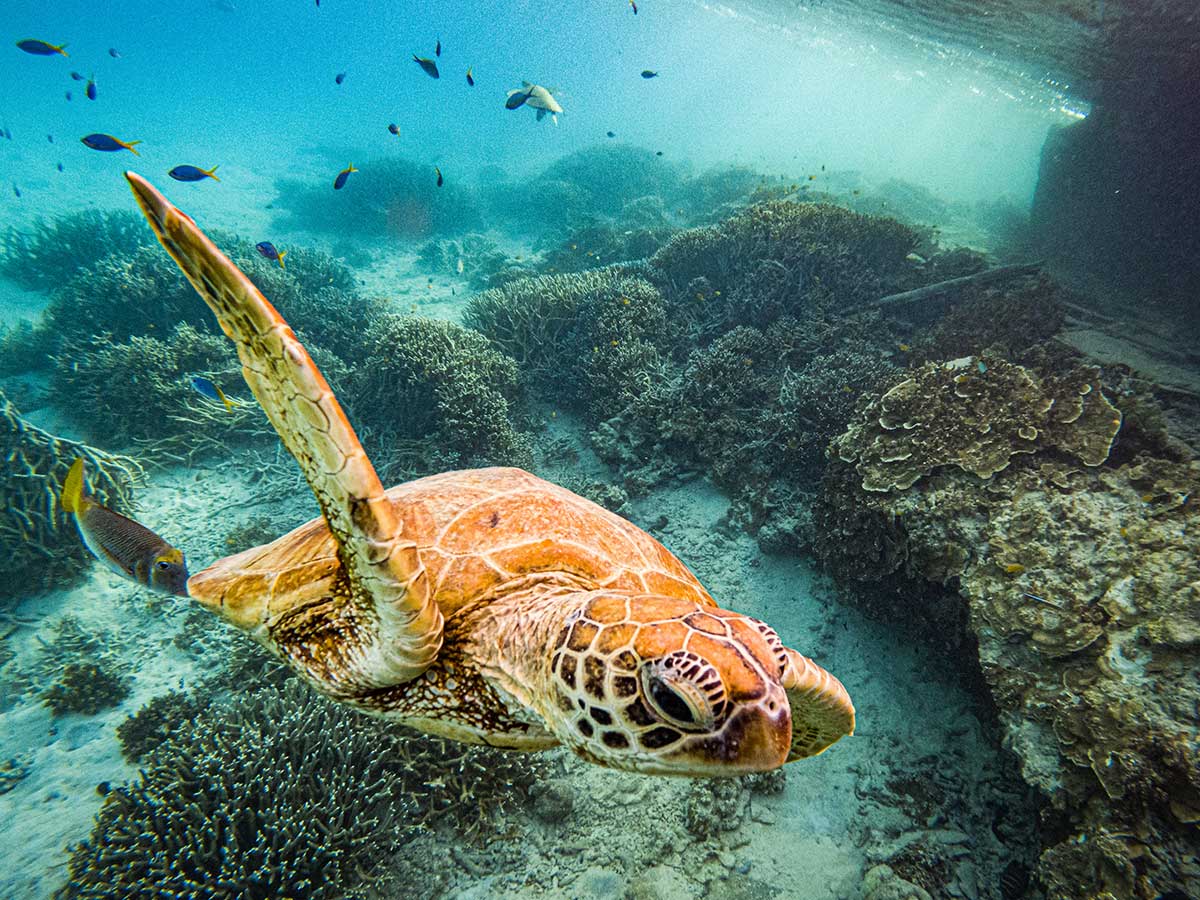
[68,96]
[440,179]
[60,167]
[90,90]
[75,76]
[470,77]
[267,249]
[193,173]
[340,77]
[206,388]
[437,50]
[107,143]
[16,190]
[649,73]
[50,138]
[41,48]
[112,51]
[394,129]
[127,547]
[340,181]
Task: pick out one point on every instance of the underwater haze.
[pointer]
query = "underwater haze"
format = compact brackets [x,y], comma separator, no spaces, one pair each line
[788,413]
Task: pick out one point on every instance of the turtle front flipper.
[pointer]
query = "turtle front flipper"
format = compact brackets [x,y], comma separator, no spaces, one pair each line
[396,622]
[822,713]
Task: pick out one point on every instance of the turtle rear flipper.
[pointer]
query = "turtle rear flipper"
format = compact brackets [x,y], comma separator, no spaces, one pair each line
[822,713]
[398,622]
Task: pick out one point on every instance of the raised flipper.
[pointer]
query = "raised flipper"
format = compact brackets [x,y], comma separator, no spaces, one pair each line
[822,712]
[399,622]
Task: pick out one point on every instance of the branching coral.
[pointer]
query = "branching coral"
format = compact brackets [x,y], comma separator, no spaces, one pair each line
[153,723]
[52,252]
[38,539]
[432,380]
[278,794]
[388,198]
[594,246]
[473,257]
[779,258]
[85,688]
[977,413]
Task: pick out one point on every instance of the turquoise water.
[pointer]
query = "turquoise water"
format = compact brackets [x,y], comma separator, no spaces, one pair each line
[879,317]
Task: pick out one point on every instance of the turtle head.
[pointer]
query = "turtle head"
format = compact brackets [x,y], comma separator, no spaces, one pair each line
[666,686]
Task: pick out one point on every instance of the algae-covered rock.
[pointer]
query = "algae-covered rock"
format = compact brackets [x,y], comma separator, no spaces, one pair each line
[976,413]
[1082,588]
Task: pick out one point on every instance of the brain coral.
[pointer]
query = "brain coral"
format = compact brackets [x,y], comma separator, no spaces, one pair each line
[976,413]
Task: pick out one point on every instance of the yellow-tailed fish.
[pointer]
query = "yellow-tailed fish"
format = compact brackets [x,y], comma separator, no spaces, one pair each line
[129,549]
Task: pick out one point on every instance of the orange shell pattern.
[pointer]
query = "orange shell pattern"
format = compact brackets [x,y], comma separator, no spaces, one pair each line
[476,530]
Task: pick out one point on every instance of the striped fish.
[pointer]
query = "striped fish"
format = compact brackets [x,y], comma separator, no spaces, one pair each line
[129,549]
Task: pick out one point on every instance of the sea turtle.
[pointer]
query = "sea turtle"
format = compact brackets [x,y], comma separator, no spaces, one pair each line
[488,605]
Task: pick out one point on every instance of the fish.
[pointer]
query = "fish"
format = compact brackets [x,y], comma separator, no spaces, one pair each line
[90,90]
[60,167]
[649,73]
[193,173]
[75,76]
[536,97]
[633,4]
[440,179]
[50,138]
[394,129]
[459,266]
[127,547]
[470,78]
[339,77]
[658,153]
[340,181]
[611,134]
[205,388]
[16,190]
[68,96]
[41,48]
[428,66]
[437,49]
[107,143]
[112,51]
[267,249]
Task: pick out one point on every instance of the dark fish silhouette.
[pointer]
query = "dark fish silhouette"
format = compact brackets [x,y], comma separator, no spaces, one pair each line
[394,129]
[428,66]
[440,180]
[437,50]
[112,51]
[470,79]
[340,77]
[90,90]
[649,73]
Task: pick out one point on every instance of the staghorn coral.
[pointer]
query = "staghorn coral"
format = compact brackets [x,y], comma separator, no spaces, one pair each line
[140,390]
[39,545]
[1080,587]
[392,198]
[977,413]
[478,256]
[86,688]
[52,252]
[431,380]
[780,258]
[595,246]
[278,794]
[154,722]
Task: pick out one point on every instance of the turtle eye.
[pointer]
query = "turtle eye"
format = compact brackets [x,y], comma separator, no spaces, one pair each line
[684,690]
[162,565]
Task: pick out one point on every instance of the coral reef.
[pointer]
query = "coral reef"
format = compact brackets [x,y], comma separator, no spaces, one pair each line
[86,688]
[479,258]
[431,380]
[154,722]
[278,794]
[388,198]
[595,246]
[283,793]
[1080,587]
[781,258]
[52,252]
[976,413]
[39,545]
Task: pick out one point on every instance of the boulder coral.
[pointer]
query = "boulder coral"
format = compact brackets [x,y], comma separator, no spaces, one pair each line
[1082,589]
